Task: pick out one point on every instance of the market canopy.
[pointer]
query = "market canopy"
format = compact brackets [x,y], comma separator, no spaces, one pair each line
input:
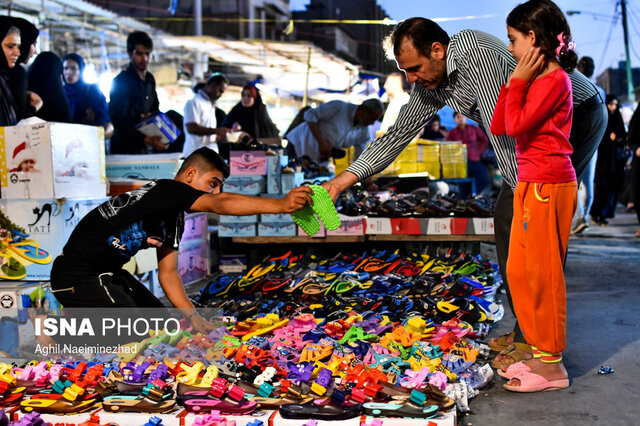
[283,65]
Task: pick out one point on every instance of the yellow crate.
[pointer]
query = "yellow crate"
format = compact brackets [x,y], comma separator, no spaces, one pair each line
[407,168]
[433,167]
[453,152]
[409,154]
[454,170]
[342,163]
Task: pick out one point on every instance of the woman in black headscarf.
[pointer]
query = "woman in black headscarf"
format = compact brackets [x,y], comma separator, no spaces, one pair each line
[26,103]
[45,79]
[10,40]
[88,104]
[250,115]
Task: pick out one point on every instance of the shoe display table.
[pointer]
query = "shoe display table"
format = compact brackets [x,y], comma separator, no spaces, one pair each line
[268,418]
[359,239]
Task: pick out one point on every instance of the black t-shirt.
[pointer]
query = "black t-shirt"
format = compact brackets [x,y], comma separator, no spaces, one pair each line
[107,237]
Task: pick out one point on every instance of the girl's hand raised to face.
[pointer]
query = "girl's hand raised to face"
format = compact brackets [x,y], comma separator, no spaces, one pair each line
[530,65]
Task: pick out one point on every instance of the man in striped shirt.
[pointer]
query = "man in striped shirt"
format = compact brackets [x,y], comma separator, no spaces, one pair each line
[466,71]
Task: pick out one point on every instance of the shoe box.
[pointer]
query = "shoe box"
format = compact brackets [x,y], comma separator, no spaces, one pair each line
[277,229]
[150,166]
[248,163]
[52,160]
[50,223]
[247,185]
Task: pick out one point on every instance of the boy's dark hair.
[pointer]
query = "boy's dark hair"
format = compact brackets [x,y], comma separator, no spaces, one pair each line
[586,66]
[217,78]
[547,21]
[422,32]
[205,159]
[138,38]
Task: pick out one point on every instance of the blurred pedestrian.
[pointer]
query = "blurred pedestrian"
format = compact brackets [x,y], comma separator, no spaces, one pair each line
[10,36]
[476,142]
[27,102]
[45,79]
[634,144]
[88,104]
[610,164]
[250,115]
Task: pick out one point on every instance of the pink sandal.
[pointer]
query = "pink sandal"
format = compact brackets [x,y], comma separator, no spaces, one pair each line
[530,382]
[513,370]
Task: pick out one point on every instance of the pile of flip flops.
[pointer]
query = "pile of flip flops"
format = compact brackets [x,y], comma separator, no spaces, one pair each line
[380,334]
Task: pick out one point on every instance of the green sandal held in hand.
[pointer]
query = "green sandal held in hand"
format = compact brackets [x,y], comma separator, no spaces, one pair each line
[322,206]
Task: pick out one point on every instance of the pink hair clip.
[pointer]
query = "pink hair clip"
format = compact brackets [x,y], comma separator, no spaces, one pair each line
[564,47]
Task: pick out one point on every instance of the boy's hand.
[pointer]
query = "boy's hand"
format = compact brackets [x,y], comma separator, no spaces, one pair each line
[530,65]
[296,199]
[201,325]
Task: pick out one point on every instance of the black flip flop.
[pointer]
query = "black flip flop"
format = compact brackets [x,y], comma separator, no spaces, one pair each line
[320,412]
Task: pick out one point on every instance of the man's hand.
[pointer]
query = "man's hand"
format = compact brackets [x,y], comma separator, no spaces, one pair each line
[155,142]
[530,65]
[34,100]
[339,183]
[296,199]
[221,133]
[201,325]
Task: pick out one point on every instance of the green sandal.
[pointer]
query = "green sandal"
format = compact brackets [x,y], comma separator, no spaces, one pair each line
[322,206]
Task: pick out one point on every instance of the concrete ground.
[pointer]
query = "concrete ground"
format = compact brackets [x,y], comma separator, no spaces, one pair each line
[603,299]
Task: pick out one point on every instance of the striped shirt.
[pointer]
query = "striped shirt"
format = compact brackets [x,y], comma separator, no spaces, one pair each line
[478,64]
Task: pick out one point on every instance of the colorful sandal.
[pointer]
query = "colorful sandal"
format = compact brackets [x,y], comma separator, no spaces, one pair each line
[323,206]
[531,382]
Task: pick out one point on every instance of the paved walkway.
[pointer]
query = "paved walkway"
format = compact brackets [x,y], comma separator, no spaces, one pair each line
[603,300]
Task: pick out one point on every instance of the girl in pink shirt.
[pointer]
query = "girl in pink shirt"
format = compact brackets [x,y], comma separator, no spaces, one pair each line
[535,107]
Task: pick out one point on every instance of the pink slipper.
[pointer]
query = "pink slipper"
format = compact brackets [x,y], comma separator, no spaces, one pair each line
[513,370]
[530,382]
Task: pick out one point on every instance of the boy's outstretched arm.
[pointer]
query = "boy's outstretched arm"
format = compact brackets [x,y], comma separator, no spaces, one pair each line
[243,205]
[171,283]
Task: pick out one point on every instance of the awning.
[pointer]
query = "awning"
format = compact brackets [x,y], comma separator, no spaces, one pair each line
[283,65]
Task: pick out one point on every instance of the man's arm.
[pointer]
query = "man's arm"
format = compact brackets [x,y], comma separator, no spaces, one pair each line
[323,145]
[228,203]
[196,129]
[381,152]
[173,287]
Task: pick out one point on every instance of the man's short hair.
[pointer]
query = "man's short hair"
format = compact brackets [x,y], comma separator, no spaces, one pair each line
[138,38]
[204,159]
[586,66]
[217,78]
[422,32]
[374,106]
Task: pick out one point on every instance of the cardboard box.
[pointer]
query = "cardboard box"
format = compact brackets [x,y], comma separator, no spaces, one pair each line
[233,264]
[50,223]
[278,217]
[291,180]
[148,166]
[321,233]
[159,125]
[275,163]
[349,225]
[277,229]
[378,225]
[483,225]
[196,227]
[252,163]
[440,226]
[247,185]
[52,160]
[237,230]
[406,226]
[193,260]
[238,219]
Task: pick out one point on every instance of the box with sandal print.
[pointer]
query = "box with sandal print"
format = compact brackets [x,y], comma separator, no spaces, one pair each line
[277,229]
[406,226]
[237,230]
[349,225]
[48,223]
[247,185]
[378,226]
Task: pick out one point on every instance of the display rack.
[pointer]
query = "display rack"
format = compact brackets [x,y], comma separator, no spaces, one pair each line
[361,239]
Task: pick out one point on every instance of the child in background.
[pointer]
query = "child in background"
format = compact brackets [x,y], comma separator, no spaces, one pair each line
[535,107]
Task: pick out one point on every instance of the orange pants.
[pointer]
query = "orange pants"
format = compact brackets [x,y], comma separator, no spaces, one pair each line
[540,231]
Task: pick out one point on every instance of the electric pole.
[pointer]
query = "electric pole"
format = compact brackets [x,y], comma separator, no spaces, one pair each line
[625,29]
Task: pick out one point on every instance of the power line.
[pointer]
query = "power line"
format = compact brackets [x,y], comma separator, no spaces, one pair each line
[613,24]
[633,14]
